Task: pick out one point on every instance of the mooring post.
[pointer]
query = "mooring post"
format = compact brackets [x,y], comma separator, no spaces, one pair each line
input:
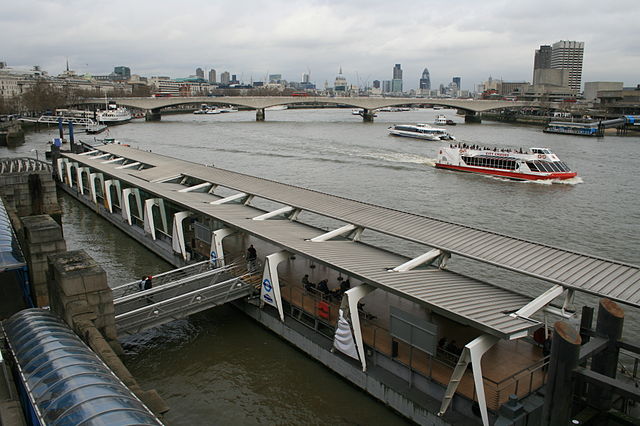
[565,352]
[609,324]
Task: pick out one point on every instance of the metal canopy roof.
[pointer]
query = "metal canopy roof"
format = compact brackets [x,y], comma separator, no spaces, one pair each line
[66,382]
[440,290]
[602,277]
[11,256]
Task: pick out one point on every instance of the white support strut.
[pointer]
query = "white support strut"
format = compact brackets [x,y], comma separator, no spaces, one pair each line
[270,289]
[229,199]
[335,233]
[415,262]
[274,213]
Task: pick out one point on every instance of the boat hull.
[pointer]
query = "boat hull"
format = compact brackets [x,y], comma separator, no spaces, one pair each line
[414,136]
[508,174]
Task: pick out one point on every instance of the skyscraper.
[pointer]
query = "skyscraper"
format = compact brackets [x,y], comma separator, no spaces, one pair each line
[567,55]
[425,81]
[225,77]
[542,59]
[396,82]
[200,73]
[457,81]
[212,76]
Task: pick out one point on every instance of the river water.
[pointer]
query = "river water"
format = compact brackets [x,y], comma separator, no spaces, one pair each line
[219,367]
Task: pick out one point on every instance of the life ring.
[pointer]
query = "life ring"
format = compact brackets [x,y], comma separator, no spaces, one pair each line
[542,156]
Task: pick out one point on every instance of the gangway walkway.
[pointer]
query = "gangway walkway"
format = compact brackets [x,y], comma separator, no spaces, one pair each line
[179,293]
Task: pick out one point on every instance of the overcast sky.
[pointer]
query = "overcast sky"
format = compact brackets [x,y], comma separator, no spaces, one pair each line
[471,39]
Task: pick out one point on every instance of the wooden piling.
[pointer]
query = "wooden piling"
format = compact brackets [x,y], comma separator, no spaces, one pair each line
[565,351]
[609,324]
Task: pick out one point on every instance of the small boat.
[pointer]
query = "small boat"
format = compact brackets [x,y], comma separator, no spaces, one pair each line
[227,109]
[441,120]
[213,111]
[200,111]
[420,131]
[450,122]
[534,164]
[570,128]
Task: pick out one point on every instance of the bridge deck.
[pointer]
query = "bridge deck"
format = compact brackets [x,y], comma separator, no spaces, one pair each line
[602,277]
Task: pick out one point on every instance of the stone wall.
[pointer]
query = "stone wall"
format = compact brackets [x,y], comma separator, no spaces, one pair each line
[28,194]
[80,295]
[40,237]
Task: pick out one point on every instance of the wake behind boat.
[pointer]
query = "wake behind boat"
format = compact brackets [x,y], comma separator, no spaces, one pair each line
[535,164]
[420,131]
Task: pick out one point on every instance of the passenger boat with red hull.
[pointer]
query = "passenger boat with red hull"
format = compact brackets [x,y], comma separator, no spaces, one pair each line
[535,164]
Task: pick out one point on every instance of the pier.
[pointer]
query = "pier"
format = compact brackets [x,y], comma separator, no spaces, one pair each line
[184,212]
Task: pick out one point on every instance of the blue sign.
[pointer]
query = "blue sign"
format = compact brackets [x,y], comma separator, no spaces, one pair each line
[214,256]
[267,285]
[268,298]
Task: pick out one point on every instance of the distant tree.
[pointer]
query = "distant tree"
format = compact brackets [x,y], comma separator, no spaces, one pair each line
[42,96]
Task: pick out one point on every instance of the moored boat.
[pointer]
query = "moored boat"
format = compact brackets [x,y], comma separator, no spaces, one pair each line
[420,131]
[113,115]
[535,164]
[441,119]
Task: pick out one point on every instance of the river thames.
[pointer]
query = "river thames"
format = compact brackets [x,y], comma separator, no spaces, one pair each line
[220,367]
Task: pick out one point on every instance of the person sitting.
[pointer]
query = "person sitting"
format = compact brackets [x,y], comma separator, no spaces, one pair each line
[323,287]
[148,283]
[452,348]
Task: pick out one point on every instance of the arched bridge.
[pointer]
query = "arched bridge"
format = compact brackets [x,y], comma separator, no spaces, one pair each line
[154,105]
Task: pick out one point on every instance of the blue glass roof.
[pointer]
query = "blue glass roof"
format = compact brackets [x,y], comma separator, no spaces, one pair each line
[66,381]
[10,253]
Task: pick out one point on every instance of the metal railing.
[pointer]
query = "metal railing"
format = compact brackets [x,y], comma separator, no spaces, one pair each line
[22,165]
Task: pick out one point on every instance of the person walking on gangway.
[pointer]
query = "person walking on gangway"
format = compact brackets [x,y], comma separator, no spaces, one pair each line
[252,256]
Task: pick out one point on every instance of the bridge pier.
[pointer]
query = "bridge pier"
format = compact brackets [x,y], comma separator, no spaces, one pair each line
[367,115]
[260,114]
[472,117]
[153,115]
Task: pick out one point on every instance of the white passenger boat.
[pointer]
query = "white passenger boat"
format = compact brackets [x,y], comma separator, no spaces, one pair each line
[113,115]
[535,164]
[420,131]
[441,120]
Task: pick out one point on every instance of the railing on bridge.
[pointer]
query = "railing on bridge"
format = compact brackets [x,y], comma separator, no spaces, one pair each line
[180,293]
[22,165]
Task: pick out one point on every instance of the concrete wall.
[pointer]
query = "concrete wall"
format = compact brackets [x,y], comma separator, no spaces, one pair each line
[40,237]
[27,194]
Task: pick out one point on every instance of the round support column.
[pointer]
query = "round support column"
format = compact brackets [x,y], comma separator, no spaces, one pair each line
[260,114]
[367,115]
[565,352]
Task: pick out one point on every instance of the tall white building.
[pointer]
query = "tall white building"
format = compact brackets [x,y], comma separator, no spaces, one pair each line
[568,55]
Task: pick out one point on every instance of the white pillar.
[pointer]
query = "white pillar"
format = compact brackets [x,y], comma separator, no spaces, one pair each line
[107,195]
[60,163]
[69,180]
[216,253]
[353,296]
[126,208]
[163,215]
[136,193]
[177,236]
[79,179]
[149,226]
[270,290]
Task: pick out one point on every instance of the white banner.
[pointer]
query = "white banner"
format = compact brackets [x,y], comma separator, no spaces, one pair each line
[343,338]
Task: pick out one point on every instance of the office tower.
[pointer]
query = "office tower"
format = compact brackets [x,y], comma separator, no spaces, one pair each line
[305,77]
[200,73]
[123,73]
[386,86]
[225,77]
[376,84]
[425,81]
[275,78]
[541,61]
[396,82]
[212,76]
[457,81]
[567,55]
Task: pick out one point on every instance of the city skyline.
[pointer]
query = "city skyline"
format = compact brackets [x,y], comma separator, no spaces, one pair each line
[321,36]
